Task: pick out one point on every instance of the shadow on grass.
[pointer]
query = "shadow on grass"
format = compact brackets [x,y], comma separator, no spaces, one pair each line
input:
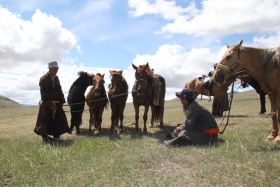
[60,143]
[130,130]
[270,148]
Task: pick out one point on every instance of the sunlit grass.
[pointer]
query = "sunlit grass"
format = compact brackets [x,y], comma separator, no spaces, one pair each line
[241,157]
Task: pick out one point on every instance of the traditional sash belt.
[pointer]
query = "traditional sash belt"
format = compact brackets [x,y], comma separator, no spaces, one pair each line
[54,110]
[211,131]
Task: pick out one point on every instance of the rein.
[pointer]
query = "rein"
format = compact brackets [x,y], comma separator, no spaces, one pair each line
[231,98]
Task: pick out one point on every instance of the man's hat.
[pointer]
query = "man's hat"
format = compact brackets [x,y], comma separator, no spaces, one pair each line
[52,64]
[186,93]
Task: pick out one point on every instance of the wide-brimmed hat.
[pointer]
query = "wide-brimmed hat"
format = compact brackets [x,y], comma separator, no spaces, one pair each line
[52,64]
[186,93]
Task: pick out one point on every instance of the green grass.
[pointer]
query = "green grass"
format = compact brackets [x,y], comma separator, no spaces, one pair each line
[241,157]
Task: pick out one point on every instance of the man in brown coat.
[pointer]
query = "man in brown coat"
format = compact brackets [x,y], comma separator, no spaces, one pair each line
[51,117]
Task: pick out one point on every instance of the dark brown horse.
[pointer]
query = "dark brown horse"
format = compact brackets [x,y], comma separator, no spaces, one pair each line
[263,65]
[219,91]
[118,92]
[97,101]
[76,99]
[248,80]
[148,90]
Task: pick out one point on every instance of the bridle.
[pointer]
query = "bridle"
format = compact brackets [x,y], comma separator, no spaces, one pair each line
[231,69]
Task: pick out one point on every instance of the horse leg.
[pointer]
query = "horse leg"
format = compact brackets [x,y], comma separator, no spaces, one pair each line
[121,116]
[90,120]
[78,122]
[72,122]
[113,118]
[136,108]
[274,128]
[153,115]
[99,119]
[161,114]
[262,100]
[277,139]
[145,117]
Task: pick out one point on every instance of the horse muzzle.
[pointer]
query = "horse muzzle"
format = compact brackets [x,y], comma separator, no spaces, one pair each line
[219,77]
[141,91]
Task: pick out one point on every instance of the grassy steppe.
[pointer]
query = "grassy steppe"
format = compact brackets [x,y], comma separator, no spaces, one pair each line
[241,157]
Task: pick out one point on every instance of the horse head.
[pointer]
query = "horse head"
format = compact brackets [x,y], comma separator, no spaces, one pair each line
[116,82]
[229,64]
[85,78]
[141,76]
[98,83]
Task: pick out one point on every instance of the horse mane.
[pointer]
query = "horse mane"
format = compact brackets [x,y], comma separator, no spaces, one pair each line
[99,74]
[76,82]
[270,59]
[124,83]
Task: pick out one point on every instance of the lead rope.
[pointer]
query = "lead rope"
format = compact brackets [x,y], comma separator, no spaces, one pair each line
[231,97]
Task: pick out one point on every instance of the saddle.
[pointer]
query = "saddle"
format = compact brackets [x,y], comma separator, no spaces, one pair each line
[207,83]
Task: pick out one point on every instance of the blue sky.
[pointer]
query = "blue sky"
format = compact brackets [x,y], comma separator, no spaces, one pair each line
[181,39]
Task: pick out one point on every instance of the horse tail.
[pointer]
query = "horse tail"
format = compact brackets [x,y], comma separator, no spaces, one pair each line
[157,113]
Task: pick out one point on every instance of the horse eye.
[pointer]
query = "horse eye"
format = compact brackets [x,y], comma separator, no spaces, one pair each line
[228,56]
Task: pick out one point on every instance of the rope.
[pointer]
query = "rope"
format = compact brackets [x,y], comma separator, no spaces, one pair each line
[231,96]
[94,101]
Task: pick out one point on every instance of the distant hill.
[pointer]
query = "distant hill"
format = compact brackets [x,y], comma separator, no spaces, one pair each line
[245,94]
[8,103]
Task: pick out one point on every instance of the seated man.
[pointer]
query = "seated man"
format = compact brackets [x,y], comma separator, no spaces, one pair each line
[199,126]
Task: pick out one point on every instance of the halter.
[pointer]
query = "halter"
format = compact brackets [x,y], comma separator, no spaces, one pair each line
[229,68]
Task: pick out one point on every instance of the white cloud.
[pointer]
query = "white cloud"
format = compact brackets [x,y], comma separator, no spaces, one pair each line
[167,9]
[215,17]
[267,40]
[178,66]
[40,40]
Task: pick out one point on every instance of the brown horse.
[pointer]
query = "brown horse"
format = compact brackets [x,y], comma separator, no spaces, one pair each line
[96,101]
[219,91]
[263,65]
[148,90]
[118,92]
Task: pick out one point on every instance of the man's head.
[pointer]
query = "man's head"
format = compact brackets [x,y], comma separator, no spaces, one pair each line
[53,68]
[186,93]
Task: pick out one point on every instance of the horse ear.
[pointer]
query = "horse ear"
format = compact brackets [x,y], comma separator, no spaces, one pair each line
[134,66]
[93,76]
[121,71]
[110,72]
[240,43]
[227,45]
[103,75]
[147,67]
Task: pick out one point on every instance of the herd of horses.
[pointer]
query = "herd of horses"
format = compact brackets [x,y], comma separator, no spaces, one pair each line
[257,67]
[148,91]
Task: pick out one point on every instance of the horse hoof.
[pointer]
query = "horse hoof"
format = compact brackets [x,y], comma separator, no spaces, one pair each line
[270,137]
[277,139]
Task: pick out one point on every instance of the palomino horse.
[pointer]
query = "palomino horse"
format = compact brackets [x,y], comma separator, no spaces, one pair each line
[148,90]
[118,90]
[219,91]
[248,80]
[97,101]
[263,65]
[76,99]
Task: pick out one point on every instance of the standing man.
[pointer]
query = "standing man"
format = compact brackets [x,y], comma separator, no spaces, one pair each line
[51,117]
[199,126]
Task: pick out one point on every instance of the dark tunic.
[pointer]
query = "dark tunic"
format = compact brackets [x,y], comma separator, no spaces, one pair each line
[198,118]
[47,123]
